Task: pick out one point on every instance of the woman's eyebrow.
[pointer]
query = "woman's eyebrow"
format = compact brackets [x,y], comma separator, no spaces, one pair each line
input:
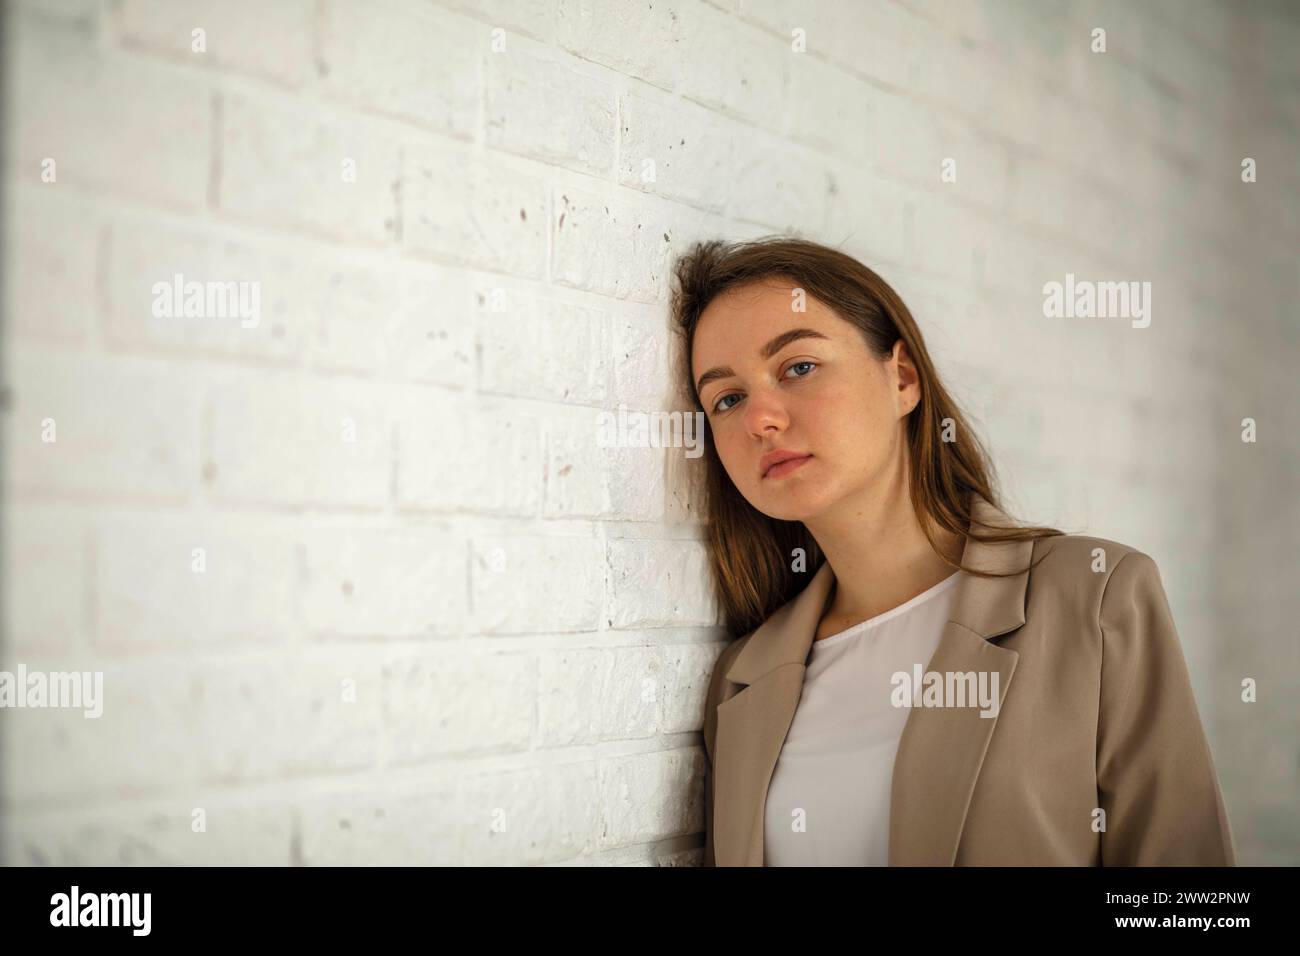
[767,351]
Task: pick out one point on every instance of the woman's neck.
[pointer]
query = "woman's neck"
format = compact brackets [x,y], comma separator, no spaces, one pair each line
[880,556]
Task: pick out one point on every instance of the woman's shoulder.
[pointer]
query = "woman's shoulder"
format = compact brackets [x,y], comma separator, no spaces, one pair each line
[1090,575]
[1077,555]
[723,662]
[717,689]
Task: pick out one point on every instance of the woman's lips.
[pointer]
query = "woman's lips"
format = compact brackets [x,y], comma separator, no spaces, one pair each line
[785,467]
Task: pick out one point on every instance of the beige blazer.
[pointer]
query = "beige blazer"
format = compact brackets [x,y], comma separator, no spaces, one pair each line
[1095,712]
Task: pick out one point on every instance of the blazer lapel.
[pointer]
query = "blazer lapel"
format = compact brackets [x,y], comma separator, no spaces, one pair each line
[752,723]
[941,749]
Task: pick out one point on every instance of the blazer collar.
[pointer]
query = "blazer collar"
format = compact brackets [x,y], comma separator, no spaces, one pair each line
[940,751]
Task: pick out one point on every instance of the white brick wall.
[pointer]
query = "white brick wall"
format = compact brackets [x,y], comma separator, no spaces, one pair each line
[437,622]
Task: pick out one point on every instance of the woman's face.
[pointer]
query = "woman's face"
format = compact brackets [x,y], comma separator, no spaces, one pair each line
[821,395]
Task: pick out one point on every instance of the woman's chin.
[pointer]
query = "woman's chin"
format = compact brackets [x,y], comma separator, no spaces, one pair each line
[793,503]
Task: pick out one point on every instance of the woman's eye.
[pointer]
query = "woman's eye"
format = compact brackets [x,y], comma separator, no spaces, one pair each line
[719,407]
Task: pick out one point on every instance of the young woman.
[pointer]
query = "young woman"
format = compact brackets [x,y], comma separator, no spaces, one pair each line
[882,603]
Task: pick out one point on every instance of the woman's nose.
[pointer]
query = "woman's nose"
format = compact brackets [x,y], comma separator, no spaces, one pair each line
[765,410]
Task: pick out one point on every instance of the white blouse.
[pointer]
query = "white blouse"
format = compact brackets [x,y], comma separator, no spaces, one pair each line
[828,800]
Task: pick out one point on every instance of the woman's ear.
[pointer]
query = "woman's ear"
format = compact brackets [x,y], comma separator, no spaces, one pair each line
[907,380]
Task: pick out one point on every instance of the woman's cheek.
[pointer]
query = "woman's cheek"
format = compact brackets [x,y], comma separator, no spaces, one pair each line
[731,453]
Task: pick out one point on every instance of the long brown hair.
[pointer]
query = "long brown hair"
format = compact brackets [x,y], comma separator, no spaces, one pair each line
[748,551]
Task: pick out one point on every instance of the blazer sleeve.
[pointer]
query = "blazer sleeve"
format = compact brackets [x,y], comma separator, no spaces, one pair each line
[1155,775]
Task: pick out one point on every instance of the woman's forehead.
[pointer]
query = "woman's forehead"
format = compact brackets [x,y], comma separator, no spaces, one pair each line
[733,319]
